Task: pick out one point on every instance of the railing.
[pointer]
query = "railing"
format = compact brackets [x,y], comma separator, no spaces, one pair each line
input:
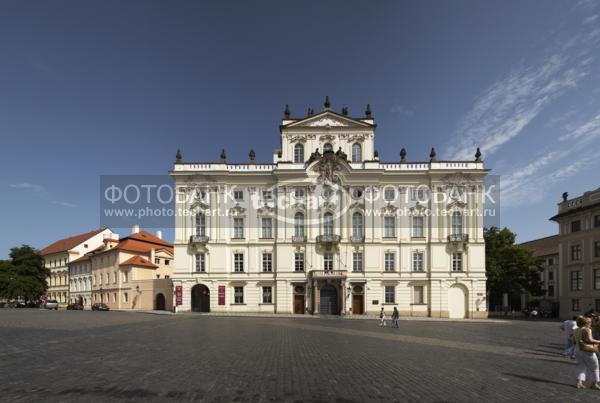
[203,239]
[328,238]
[357,239]
[458,238]
[299,239]
[329,273]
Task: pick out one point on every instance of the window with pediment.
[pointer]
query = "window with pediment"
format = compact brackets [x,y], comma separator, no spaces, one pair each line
[299,153]
[356,152]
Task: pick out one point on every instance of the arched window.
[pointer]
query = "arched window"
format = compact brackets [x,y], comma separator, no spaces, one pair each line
[457,224]
[328,224]
[327,148]
[356,152]
[299,153]
[200,224]
[299,224]
[357,225]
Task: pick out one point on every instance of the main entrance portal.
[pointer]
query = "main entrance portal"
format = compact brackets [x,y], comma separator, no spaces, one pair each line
[200,298]
[329,301]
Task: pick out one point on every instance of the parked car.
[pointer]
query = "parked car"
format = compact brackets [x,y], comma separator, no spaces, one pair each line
[100,307]
[51,304]
[74,307]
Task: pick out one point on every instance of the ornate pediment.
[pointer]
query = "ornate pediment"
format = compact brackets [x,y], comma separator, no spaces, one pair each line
[389,209]
[329,119]
[357,206]
[417,209]
[299,206]
[200,205]
[265,210]
[237,210]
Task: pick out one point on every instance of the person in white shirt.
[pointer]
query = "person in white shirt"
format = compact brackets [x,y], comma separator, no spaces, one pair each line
[382,318]
[567,327]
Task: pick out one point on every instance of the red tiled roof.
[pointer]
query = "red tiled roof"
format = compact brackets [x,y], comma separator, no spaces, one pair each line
[144,242]
[138,261]
[69,243]
[543,246]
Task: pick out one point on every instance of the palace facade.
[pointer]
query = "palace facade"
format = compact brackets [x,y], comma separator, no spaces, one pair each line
[327,228]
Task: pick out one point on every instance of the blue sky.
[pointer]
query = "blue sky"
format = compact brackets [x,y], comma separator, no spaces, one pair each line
[110,87]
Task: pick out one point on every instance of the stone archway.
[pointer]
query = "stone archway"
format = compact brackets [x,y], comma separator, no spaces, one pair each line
[160,304]
[200,298]
[328,300]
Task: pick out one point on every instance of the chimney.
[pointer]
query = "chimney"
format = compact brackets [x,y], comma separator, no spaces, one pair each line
[159,234]
[135,229]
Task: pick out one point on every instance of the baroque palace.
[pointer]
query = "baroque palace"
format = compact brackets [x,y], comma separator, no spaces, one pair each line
[327,228]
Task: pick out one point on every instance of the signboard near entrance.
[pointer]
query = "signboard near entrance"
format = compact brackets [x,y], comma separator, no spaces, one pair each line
[221,295]
[178,295]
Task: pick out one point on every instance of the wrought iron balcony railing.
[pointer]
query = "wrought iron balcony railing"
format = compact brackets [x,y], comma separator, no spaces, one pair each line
[299,239]
[202,239]
[329,273]
[458,238]
[357,239]
[328,238]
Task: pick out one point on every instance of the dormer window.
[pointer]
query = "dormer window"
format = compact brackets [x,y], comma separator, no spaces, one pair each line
[299,153]
[356,152]
[327,148]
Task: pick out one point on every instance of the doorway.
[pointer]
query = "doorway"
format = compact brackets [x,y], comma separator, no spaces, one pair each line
[329,301]
[160,302]
[200,298]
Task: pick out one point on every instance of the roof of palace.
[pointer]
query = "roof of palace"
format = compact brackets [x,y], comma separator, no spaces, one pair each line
[543,246]
[140,242]
[81,259]
[69,243]
[138,261]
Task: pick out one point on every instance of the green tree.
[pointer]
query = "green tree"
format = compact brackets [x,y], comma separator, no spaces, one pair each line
[509,267]
[24,275]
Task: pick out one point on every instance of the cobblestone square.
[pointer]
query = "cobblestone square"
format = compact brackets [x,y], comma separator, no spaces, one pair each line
[79,356]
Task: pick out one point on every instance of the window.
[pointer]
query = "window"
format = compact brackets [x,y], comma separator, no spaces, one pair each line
[267,295]
[550,276]
[238,195]
[298,193]
[576,281]
[125,276]
[267,195]
[327,148]
[328,261]
[389,261]
[418,261]
[457,261]
[576,252]
[389,193]
[157,260]
[238,295]
[597,221]
[299,261]
[200,262]
[550,261]
[575,306]
[457,224]
[357,225]
[238,227]
[389,226]
[167,261]
[597,279]
[115,277]
[299,225]
[356,152]
[596,249]
[299,153]
[328,224]
[125,297]
[389,294]
[417,230]
[267,262]
[418,194]
[200,224]
[551,291]
[357,193]
[357,261]
[575,226]
[267,227]
[418,297]
[238,262]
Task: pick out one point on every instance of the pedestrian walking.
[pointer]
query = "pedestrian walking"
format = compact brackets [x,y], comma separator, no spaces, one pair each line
[585,352]
[396,318]
[567,327]
[382,318]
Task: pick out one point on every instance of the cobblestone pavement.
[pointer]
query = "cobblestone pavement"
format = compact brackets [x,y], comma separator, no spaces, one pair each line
[74,356]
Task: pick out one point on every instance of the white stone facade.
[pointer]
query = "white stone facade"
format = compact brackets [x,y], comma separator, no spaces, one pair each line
[333,231]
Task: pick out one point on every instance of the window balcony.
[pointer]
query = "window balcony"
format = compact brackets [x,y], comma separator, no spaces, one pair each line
[299,239]
[320,274]
[328,239]
[458,238]
[199,239]
[357,239]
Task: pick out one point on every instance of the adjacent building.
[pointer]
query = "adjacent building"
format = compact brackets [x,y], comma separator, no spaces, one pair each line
[547,250]
[133,272]
[579,253]
[327,228]
[59,254]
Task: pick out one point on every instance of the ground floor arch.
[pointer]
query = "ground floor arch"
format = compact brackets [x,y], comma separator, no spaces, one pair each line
[160,302]
[328,304]
[457,302]
[200,298]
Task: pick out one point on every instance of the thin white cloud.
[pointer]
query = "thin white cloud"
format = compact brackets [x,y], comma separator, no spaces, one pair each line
[590,19]
[589,129]
[27,186]
[64,204]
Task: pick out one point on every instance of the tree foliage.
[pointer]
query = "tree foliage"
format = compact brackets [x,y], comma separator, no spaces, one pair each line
[510,268]
[23,275]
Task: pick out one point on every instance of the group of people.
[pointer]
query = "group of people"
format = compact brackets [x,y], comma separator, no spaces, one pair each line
[582,334]
[395,318]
